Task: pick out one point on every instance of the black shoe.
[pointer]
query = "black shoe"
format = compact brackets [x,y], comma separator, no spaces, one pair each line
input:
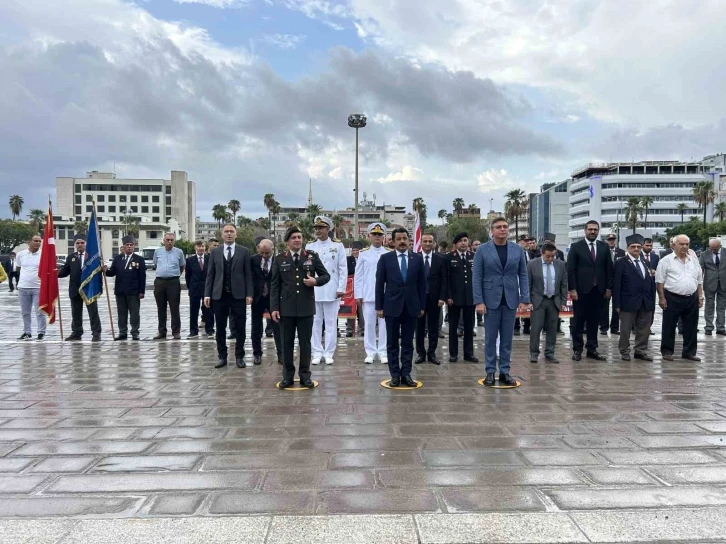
[306,382]
[268,335]
[459,332]
[603,333]
[533,358]
[96,338]
[210,333]
[257,360]
[721,333]
[680,332]
[71,338]
[596,356]
[284,384]
[615,332]
[516,332]
[279,359]
[160,336]
[708,333]
[408,381]
[120,337]
[241,363]
[692,358]
[506,379]
[26,336]
[395,382]
[560,331]
[489,379]
[221,363]
[230,337]
[525,331]
[625,357]
[193,335]
[471,359]
[420,359]
[453,359]
[41,336]
[652,333]
[643,356]
[552,361]
[434,360]
[135,337]
[577,356]
[349,334]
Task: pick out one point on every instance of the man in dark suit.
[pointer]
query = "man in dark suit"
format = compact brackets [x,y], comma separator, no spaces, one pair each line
[352,260]
[228,288]
[606,319]
[650,258]
[261,279]
[72,267]
[11,270]
[400,299]
[460,299]
[195,275]
[633,299]
[590,281]
[549,238]
[436,296]
[129,270]
[295,274]
[713,266]
[523,323]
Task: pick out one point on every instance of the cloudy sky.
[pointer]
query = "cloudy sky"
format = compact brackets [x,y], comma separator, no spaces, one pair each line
[465,98]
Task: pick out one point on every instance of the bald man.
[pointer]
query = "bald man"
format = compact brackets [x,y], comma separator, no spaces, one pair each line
[261,277]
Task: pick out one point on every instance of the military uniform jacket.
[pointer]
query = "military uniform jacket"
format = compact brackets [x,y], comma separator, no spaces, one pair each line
[364,281]
[288,294]
[461,289]
[131,277]
[72,268]
[332,255]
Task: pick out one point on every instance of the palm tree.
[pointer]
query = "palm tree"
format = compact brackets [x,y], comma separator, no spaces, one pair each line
[244,221]
[682,208]
[80,227]
[312,211]
[338,222]
[36,219]
[632,209]
[263,223]
[646,202]
[442,216]
[16,205]
[274,211]
[704,195]
[219,212]
[514,207]
[131,225]
[269,201]
[458,205]
[720,209]
[292,219]
[420,206]
[234,206]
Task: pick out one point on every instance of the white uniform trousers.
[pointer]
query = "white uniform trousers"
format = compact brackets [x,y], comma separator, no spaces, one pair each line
[372,347]
[327,312]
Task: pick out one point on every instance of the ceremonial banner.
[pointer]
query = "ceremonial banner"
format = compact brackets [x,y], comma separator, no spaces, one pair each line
[91,278]
[348,305]
[47,270]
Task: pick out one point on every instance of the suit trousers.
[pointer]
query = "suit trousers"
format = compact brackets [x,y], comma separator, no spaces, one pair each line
[430,318]
[607,320]
[468,314]
[326,312]
[375,344]
[77,305]
[304,328]
[588,309]
[498,334]
[350,323]
[223,307]
[715,303]
[29,302]
[642,320]
[195,304]
[400,329]
[545,317]
[12,276]
[128,304]
[259,308]
[168,291]
[686,308]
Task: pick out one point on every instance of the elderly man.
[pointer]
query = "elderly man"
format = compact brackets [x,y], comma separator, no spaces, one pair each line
[633,299]
[679,281]
[261,265]
[169,264]
[714,286]
[608,320]
[130,287]
[73,268]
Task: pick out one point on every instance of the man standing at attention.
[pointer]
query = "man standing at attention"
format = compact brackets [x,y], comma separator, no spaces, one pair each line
[606,319]
[590,281]
[228,290]
[523,323]
[352,261]
[262,277]
[714,286]
[328,296]
[460,298]
[500,290]
[436,289]
[10,267]
[73,267]
[195,275]
[169,263]
[129,270]
[26,265]
[365,294]
[400,299]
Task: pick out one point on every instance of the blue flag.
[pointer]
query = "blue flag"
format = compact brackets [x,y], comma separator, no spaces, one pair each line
[91,277]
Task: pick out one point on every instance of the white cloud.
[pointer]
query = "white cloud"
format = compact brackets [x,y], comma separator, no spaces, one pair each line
[407,173]
[284,41]
[494,180]
[336,173]
[215,3]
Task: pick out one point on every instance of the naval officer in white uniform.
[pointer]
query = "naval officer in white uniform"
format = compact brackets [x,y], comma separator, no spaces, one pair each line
[364,286]
[327,297]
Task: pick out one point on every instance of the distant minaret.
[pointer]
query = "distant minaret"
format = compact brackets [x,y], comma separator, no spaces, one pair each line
[310,193]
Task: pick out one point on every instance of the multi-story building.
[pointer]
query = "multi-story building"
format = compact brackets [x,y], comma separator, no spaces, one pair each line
[715,167]
[548,212]
[206,230]
[155,206]
[470,212]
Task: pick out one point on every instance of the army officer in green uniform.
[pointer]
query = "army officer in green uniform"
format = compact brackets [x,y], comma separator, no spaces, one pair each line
[295,273]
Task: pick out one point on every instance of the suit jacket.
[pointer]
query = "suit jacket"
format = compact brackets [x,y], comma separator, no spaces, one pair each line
[654,260]
[437,283]
[288,294]
[618,253]
[631,291]
[6,266]
[559,255]
[241,273]
[131,279]
[258,277]
[536,280]
[351,265]
[491,281]
[393,293]
[195,277]
[581,269]
[72,268]
[713,276]
[460,278]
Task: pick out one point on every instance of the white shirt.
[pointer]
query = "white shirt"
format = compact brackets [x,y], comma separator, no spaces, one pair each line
[269,263]
[398,258]
[29,264]
[226,252]
[364,281]
[592,246]
[639,266]
[714,255]
[332,255]
[12,265]
[679,277]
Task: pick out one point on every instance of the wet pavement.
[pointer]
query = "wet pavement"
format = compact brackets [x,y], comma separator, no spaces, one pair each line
[128,440]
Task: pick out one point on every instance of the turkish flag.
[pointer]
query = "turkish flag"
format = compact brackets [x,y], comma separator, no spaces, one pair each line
[47,270]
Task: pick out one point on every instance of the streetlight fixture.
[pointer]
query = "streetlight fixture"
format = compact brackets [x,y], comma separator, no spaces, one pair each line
[356,121]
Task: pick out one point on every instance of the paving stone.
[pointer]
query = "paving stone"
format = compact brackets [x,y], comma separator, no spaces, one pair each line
[669,427]
[218,446]
[249,461]
[64,464]
[114,483]
[14,465]
[454,459]
[497,476]
[658,457]
[491,499]
[594,499]
[393,501]
[598,442]
[176,505]
[39,507]
[290,502]
[560,458]
[375,459]
[20,484]
[618,476]
[365,443]
[7,447]
[684,416]
[81,448]
[146,463]
[516,443]
[692,475]
[329,479]
[45,434]
[713,426]
[350,529]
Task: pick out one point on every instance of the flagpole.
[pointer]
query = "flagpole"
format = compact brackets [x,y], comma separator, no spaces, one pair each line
[60,314]
[103,273]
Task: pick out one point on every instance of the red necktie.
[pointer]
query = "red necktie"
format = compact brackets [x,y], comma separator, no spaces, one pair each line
[592,251]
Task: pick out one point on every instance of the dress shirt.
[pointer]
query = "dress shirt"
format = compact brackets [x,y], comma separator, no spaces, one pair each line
[679,277]
[639,266]
[715,256]
[398,257]
[262,263]
[592,247]
[28,263]
[12,265]
[169,264]
[227,252]
[551,287]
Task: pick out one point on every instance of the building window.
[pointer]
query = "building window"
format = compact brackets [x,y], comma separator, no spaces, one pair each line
[89,209]
[156,219]
[78,199]
[168,189]
[153,234]
[168,201]
[101,209]
[114,233]
[112,198]
[61,233]
[122,198]
[168,211]
[155,198]
[77,188]
[144,198]
[155,209]
[100,198]
[134,209]
[144,209]
[122,209]
[134,198]
[112,209]
[89,198]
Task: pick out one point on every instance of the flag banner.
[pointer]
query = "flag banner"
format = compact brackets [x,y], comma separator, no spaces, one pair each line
[417,234]
[347,304]
[47,270]
[569,313]
[91,278]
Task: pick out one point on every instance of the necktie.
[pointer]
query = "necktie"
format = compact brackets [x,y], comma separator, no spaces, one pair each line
[296,259]
[592,251]
[640,270]
[613,254]
[404,266]
[265,271]
[718,261]
[201,263]
[647,258]
[548,278]
[80,258]
[427,266]
[229,253]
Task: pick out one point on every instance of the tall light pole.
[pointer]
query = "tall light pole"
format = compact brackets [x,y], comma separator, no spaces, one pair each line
[356,121]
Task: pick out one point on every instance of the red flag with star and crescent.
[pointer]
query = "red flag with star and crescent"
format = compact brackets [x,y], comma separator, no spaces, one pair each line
[47,270]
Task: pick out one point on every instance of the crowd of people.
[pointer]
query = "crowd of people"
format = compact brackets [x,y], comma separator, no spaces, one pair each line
[401,296]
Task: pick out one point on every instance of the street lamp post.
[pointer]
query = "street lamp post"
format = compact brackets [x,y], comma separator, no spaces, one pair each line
[356,121]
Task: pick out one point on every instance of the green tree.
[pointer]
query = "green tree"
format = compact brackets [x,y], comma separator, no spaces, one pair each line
[292,219]
[37,219]
[338,222]
[514,207]
[275,211]
[313,210]
[476,228]
[420,206]
[458,204]
[80,227]
[234,206]
[185,245]
[263,223]
[442,216]
[131,225]
[269,201]
[704,195]
[720,210]
[13,233]
[646,202]
[682,209]
[219,212]
[244,221]
[632,208]
[16,205]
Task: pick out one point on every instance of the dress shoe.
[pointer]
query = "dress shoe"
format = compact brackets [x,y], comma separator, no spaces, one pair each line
[306,382]
[195,335]
[210,334]
[284,384]
[349,334]
[279,359]
[473,332]
[603,333]
[560,331]
[721,333]
[269,335]
[221,363]
[441,334]
[135,337]
[459,332]
[516,332]
[525,331]
[230,337]
[643,356]
[667,357]
[596,356]
[453,359]
[395,382]
[368,360]
[121,337]
[708,333]
[420,359]
[316,360]
[533,358]
[552,361]
[615,332]
[434,360]
[160,336]
[506,379]
[577,356]
[241,363]
[489,379]
[408,381]
[257,360]
[96,338]
[652,333]
[625,357]
[680,332]
[692,358]
[471,359]
[71,338]
[176,336]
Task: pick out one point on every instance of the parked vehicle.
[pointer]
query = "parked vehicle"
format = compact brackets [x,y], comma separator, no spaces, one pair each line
[148,254]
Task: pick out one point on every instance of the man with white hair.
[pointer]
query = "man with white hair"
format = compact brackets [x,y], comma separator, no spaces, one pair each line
[714,286]
[679,281]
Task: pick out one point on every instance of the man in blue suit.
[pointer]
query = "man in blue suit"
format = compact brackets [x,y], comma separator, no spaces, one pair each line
[501,289]
[401,300]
